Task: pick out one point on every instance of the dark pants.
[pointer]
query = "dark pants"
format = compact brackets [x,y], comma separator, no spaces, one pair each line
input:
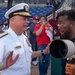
[34,47]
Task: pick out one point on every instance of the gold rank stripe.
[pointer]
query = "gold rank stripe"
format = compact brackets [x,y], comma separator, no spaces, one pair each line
[22,13]
[3,34]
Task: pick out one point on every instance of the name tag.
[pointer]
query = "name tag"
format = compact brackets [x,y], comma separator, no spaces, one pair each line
[18,47]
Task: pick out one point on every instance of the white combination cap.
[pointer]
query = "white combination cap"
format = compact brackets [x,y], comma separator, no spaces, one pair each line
[21,9]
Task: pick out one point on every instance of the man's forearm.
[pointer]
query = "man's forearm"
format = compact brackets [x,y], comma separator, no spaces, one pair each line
[39,31]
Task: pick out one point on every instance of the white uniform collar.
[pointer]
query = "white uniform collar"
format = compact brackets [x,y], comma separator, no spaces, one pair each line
[12,34]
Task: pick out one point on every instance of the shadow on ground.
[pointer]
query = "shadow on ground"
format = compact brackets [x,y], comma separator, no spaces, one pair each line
[35,71]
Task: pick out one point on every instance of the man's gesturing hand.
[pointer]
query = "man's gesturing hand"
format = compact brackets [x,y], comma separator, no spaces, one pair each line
[9,59]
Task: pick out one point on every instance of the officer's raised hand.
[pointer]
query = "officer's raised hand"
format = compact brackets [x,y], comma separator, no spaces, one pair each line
[9,60]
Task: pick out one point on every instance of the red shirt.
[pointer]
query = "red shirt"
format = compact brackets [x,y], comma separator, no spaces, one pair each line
[54,25]
[42,39]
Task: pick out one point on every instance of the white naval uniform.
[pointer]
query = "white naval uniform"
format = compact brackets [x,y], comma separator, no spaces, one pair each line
[19,45]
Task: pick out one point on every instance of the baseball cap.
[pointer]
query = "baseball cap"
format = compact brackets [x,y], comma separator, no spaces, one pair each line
[21,9]
[35,18]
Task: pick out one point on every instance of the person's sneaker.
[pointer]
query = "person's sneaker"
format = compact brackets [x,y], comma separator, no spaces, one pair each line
[34,63]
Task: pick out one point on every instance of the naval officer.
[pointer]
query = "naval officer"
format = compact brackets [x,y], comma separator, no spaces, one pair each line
[15,49]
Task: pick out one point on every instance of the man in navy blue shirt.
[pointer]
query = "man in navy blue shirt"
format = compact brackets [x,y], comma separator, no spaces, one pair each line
[32,38]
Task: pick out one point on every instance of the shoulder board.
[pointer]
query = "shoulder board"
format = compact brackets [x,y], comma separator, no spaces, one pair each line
[3,34]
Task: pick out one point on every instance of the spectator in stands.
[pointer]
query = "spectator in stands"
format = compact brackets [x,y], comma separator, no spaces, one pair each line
[42,42]
[49,4]
[32,38]
[15,49]
[53,22]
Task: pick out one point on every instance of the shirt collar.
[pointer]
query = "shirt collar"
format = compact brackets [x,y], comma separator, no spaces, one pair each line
[12,34]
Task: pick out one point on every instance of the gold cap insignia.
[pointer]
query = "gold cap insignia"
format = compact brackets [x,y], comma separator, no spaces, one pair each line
[26,8]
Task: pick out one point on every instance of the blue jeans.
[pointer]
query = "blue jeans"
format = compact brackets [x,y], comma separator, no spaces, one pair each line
[44,61]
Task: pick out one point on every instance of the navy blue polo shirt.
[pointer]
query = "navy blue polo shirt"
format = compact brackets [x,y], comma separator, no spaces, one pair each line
[32,37]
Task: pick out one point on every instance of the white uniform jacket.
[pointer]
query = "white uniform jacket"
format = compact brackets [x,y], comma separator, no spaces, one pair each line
[19,45]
